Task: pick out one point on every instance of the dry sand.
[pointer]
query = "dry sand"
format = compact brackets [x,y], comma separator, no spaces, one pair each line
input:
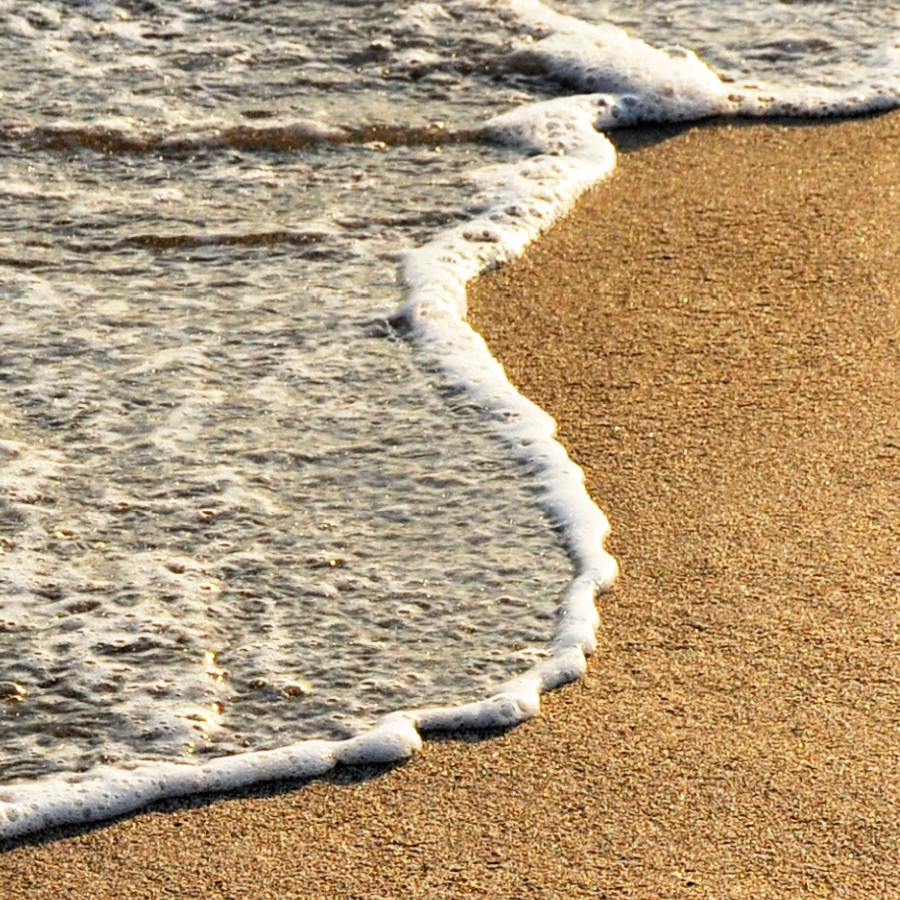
[716,331]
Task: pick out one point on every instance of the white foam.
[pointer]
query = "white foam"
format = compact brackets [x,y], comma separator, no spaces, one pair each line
[516,202]
[420,19]
[648,84]
[110,791]
[668,85]
[519,201]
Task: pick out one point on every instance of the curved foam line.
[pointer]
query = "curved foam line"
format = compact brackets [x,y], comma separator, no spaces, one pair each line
[519,201]
[653,85]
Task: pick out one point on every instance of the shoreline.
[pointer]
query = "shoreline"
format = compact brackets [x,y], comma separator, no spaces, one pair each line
[694,326]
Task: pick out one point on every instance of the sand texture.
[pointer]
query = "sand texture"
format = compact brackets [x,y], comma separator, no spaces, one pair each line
[716,331]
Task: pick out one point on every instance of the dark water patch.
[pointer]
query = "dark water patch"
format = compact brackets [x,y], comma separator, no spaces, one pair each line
[248,239]
[293,136]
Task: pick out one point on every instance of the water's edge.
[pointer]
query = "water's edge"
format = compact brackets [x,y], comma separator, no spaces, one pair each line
[527,197]
[566,155]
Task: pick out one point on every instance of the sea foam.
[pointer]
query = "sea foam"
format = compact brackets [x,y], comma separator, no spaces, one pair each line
[517,201]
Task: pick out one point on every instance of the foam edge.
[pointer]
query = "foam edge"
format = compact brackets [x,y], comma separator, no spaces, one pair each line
[520,201]
[569,156]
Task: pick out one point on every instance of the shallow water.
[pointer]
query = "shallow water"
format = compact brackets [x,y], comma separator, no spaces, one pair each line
[240,508]
[227,450]
[781,42]
[214,444]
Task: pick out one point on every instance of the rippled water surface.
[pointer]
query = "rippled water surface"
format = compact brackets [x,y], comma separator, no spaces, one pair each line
[823,43]
[235,510]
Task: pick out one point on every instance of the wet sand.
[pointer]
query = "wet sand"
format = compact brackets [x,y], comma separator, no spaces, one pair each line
[717,331]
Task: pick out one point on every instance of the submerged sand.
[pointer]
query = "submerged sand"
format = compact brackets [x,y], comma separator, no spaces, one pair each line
[717,331]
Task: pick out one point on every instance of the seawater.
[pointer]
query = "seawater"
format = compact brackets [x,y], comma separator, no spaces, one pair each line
[785,44]
[267,503]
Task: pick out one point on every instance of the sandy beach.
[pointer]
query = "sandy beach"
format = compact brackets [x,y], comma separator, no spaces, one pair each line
[716,329]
